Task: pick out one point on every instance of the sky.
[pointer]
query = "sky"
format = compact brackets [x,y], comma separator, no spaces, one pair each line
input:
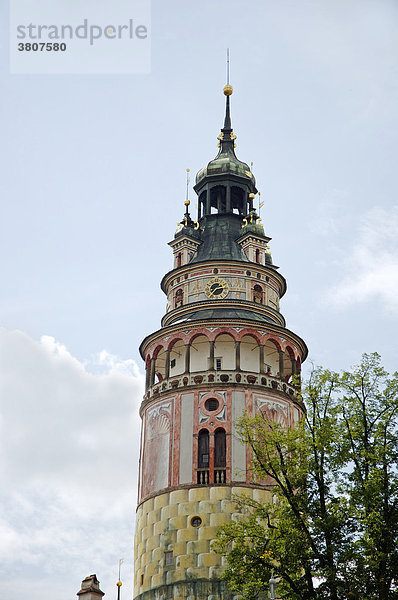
[92,183]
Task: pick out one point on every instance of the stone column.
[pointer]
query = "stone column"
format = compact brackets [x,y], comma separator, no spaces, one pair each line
[294,367]
[262,358]
[167,366]
[208,208]
[294,371]
[228,199]
[147,375]
[153,368]
[281,363]
[211,357]
[187,357]
[237,356]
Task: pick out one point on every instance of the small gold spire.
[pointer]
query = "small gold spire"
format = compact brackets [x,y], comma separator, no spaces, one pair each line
[187,202]
[252,196]
[228,89]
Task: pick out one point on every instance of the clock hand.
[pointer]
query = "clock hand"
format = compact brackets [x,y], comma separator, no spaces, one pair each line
[215,290]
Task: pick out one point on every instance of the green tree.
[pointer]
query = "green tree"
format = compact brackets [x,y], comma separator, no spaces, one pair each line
[330,529]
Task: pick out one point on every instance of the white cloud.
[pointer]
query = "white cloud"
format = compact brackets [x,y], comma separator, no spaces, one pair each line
[329,216]
[371,266]
[68,467]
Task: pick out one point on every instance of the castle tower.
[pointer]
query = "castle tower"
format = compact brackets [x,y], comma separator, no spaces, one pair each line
[222,349]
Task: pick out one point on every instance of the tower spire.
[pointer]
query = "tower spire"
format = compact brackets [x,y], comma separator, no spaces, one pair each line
[228,89]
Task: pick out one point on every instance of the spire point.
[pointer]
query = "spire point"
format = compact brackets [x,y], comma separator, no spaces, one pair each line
[228,89]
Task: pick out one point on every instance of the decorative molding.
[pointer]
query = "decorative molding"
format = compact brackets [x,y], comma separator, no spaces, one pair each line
[222,416]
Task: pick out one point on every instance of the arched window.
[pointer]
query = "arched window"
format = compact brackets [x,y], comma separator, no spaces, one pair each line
[258,294]
[220,456]
[219,448]
[179,259]
[203,449]
[178,298]
[203,456]
[258,256]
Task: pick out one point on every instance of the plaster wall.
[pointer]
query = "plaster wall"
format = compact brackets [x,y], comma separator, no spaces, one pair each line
[186,446]
[225,348]
[249,355]
[238,451]
[200,352]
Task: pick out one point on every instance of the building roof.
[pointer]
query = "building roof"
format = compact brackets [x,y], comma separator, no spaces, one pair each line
[219,234]
[222,313]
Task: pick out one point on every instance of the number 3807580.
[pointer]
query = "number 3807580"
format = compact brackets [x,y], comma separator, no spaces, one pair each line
[42,47]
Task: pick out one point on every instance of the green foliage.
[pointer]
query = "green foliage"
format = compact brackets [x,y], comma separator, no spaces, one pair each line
[330,529]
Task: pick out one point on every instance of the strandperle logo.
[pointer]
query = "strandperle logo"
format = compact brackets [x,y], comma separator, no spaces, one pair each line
[85,31]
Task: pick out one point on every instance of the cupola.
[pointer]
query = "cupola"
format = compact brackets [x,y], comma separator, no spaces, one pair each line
[226,184]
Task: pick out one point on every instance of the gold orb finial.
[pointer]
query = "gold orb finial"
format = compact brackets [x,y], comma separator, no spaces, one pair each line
[252,196]
[119,583]
[228,89]
[187,202]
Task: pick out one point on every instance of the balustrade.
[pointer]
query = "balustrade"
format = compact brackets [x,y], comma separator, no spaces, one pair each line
[228,377]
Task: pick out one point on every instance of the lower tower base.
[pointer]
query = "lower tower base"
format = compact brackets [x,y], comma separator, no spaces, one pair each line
[199,589]
[174,533]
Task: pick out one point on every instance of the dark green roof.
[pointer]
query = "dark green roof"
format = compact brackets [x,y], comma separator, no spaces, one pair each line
[219,232]
[222,313]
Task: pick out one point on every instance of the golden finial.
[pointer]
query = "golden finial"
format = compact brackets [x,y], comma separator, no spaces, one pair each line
[187,202]
[119,582]
[228,89]
[252,196]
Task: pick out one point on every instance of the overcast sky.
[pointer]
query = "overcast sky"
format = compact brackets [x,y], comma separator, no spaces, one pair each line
[92,186]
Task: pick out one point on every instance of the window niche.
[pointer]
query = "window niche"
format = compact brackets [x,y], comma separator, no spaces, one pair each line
[179,298]
[258,294]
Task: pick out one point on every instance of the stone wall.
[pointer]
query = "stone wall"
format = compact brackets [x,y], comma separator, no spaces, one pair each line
[164,525]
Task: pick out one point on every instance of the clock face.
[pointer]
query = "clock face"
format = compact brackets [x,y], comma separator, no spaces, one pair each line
[217,288]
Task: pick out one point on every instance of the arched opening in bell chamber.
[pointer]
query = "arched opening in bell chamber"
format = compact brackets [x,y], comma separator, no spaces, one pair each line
[249,354]
[200,353]
[177,358]
[224,353]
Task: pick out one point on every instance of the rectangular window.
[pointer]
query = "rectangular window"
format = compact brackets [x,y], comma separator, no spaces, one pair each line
[168,558]
[172,363]
[218,364]
[267,368]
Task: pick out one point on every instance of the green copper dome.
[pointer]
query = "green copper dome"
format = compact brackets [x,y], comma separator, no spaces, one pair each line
[226,162]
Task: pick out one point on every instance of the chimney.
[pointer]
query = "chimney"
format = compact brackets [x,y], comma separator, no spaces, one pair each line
[90,589]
